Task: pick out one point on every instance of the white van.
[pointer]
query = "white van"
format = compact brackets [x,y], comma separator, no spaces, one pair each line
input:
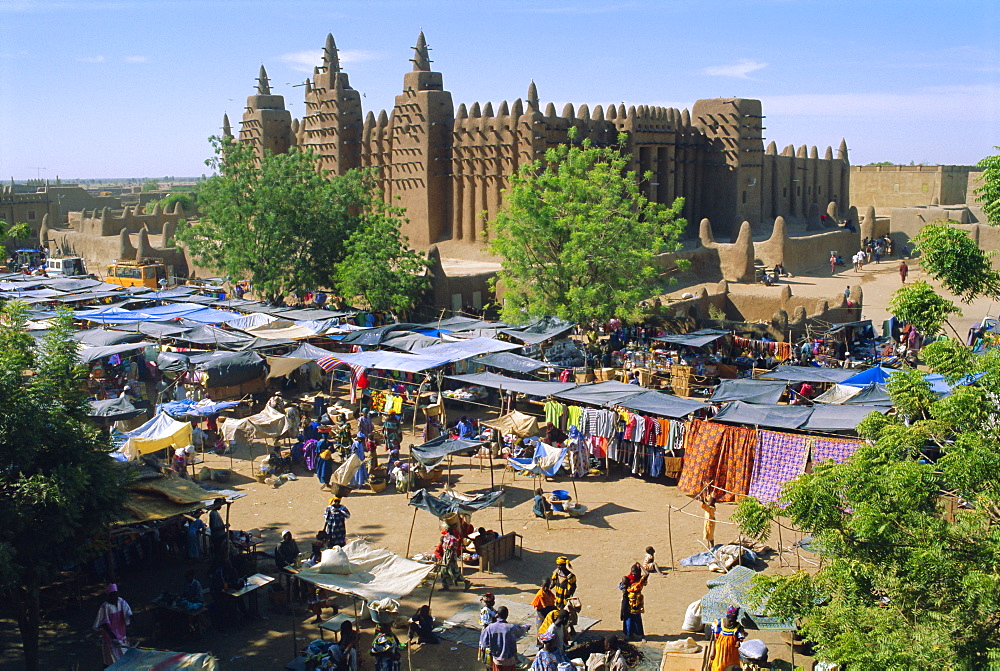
[70,266]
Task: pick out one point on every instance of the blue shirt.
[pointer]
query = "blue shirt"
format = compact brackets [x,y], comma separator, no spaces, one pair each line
[500,638]
[463,429]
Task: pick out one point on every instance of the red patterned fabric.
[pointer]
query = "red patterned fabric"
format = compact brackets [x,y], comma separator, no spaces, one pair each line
[720,457]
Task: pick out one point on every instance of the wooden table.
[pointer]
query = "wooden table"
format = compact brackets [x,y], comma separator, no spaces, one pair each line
[180,622]
[333,624]
[254,583]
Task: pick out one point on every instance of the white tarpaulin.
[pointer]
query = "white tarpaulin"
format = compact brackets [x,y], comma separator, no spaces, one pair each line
[159,433]
[268,423]
[280,366]
[378,574]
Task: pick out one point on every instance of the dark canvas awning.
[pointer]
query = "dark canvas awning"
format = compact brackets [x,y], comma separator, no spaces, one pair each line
[375,336]
[839,417]
[494,381]
[508,361]
[89,354]
[695,338]
[229,368]
[540,330]
[601,393]
[433,452]
[808,374]
[114,409]
[447,503]
[103,338]
[873,394]
[765,392]
[771,416]
[664,405]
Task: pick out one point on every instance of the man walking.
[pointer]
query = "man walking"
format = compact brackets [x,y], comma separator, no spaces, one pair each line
[903,271]
[499,642]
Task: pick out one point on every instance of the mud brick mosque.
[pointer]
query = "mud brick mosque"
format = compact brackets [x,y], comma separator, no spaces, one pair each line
[448,166]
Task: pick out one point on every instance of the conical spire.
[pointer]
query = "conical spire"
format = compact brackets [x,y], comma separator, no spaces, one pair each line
[421,56]
[263,86]
[227,129]
[330,58]
[842,150]
[532,95]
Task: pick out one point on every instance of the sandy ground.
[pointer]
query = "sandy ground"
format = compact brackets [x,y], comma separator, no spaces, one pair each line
[626,514]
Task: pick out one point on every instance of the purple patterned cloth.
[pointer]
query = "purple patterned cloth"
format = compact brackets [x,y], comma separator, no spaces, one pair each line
[780,457]
[837,449]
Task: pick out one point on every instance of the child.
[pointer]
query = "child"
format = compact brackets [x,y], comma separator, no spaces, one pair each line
[649,564]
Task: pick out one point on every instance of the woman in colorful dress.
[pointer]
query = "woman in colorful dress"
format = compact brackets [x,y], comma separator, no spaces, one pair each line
[727,633]
[563,582]
[113,617]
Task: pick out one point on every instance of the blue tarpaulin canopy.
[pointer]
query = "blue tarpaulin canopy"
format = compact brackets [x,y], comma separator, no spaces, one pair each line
[547,460]
[874,375]
[190,408]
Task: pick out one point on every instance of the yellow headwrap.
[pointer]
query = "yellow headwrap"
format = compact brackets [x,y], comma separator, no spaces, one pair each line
[562,560]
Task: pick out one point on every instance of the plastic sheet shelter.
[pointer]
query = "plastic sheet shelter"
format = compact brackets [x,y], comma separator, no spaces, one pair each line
[448,503]
[378,574]
[307,351]
[375,336]
[837,394]
[529,387]
[547,460]
[874,375]
[545,328]
[114,409]
[206,334]
[839,417]
[406,363]
[190,408]
[765,392]
[104,338]
[601,394]
[433,452]
[282,328]
[873,394]
[411,342]
[516,423]
[268,423]
[464,349]
[695,338]
[808,374]
[514,363]
[280,366]
[663,405]
[229,368]
[90,354]
[159,433]
[771,416]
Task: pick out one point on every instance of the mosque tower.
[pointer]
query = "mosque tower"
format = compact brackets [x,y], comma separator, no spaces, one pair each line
[332,125]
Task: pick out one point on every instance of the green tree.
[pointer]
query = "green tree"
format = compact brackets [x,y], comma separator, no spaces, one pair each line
[185,198]
[150,185]
[277,222]
[379,268]
[11,232]
[578,239]
[58,486]
[919,304]
[988,191]
[902,585]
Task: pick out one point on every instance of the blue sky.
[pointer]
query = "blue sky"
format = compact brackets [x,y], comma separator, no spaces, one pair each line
[120,88]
